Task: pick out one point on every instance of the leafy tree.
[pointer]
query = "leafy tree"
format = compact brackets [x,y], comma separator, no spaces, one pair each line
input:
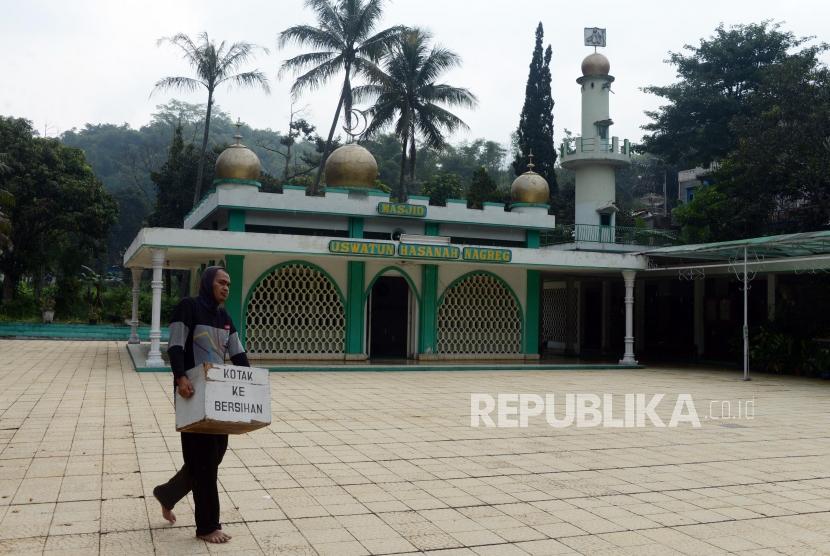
[465,158]
[482,189]
[751,100]
[442,187]
[342,41]
[782,158]
[62,213]
[214,66]
[407,97]
[565,201]
[716,81]
[174,183]
[6,203]
[133,210]
[535,132]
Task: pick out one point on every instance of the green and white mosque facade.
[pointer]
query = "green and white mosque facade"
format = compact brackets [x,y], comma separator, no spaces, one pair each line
[351,275]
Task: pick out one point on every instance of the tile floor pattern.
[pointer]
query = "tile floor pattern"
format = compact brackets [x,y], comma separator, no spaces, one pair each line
[386,463]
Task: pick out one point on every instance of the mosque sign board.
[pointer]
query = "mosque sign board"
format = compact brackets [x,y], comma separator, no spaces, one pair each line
[226,400]
[420,251]
[401,209]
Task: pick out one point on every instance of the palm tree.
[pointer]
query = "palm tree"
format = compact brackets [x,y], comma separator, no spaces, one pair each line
[214,66]
[407,96]
[342,41]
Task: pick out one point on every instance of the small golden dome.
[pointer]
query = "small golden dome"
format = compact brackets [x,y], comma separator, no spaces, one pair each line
[530,187]
[351,166]
[595,64]
[238,162]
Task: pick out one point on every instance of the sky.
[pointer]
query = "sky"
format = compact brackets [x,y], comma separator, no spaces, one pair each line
[65,64]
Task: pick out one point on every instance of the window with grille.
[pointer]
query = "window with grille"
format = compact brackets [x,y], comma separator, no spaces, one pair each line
[295,310]
[479,315]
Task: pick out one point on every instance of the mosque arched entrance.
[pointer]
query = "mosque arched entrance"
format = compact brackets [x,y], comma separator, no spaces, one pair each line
[391,329]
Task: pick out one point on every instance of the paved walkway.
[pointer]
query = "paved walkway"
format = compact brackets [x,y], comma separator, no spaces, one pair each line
[382,463]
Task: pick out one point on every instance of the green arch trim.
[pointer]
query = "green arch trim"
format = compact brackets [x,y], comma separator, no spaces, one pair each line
[498,279]
[275,268]
[400,271]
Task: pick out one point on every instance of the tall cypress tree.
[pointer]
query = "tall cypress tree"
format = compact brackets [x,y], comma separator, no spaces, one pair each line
[535,133]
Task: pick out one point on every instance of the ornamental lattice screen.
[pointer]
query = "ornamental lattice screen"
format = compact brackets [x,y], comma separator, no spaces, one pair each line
[554,315]
[479,315]
[295,311]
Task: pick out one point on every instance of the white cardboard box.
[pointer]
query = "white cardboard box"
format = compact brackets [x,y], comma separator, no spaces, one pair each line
[226,400]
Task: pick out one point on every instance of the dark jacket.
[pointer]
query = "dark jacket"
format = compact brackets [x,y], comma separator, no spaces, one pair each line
[202,332]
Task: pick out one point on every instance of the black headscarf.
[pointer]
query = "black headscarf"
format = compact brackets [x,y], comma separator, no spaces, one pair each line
[206,297]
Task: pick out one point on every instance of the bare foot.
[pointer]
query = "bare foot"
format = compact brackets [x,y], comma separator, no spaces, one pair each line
[217,537]
[165,513]
[168,515]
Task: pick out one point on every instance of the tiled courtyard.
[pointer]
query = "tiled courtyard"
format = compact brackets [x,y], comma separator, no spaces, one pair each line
[387,463]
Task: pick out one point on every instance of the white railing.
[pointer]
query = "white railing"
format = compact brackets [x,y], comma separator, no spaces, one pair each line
[593,144]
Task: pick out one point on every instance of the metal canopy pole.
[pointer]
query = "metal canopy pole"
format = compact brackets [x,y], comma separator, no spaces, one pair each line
[746,321]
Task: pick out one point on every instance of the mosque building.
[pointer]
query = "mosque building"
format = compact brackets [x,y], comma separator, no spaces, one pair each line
[352,276]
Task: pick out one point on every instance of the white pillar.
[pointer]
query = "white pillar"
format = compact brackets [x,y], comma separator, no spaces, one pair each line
[154,357]
[699,296]
[134,339]
[628,356]
[771,283]
[640,316]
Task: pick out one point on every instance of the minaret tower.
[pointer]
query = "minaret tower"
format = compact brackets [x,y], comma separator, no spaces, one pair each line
[595,154]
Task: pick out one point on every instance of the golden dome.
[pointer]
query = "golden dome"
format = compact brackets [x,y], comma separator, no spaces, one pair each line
[238,162]
[530,187]
[595,64]
[351,166]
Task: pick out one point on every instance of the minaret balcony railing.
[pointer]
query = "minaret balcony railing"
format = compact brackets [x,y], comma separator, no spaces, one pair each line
[594,144]
[621,235]
[594,148]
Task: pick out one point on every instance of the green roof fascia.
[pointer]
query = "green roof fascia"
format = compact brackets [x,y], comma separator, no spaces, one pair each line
[538,205]
[236,181]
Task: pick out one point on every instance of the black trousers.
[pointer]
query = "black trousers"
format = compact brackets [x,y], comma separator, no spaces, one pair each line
[202,455]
